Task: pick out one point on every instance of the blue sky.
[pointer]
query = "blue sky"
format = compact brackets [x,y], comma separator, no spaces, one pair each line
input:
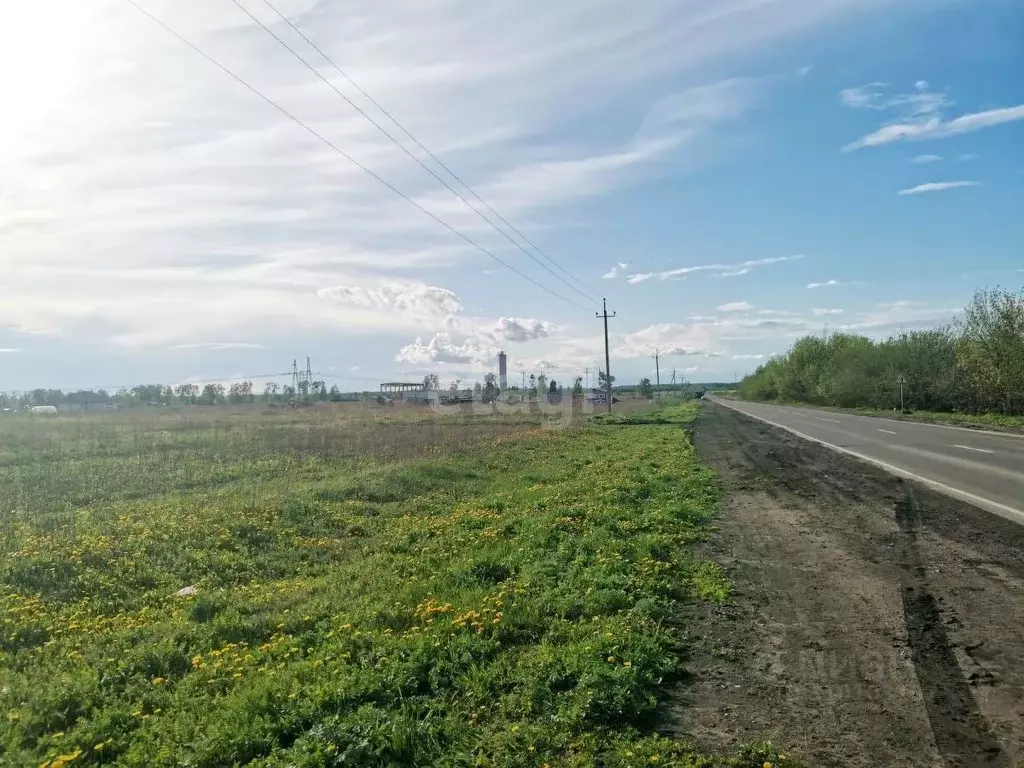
[762,169]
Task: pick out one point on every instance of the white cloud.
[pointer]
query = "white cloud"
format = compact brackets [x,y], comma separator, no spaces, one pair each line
[722,270]
[443,349]
[219,345]
[863,96]
[892,315]
[396,296]
[748,357]
[822,312]
[153,201]
[936,128]
[826,284]
[965,157]
[938,186]
[736,306]
[920,102]
[519,329]
[618,270]
[8,350]
[926,159]
[804,71]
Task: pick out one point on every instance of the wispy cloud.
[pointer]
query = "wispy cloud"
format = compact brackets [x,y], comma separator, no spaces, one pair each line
[822,312]
[722,270]
[825,284]
[616,271]
[920,102]
[736,306]
[937,128]
[863,96]
[804,71]
[938,186]
[965,157]
[8,351]
[926,159]
[219,345]
[748,357]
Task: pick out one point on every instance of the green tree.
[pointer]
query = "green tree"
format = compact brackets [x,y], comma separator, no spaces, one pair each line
[577,386]
[491,391]
[431,382]
[212,394]
[992,348]
[646,390]
[187,393]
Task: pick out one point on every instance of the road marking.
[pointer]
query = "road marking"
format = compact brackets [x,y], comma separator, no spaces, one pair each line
[887,431]
[831,421]
[969,448]
[1003,510]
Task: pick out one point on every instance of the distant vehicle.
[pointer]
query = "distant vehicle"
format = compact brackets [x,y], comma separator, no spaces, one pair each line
[44,409]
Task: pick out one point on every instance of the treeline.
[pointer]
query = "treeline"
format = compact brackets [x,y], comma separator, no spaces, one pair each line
[181,394]
[975,365]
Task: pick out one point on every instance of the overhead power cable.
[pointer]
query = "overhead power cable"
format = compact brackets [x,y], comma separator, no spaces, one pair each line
[417,160]
[347,156]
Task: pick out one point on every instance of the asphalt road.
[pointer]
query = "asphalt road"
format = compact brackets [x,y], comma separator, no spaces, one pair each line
[983,468]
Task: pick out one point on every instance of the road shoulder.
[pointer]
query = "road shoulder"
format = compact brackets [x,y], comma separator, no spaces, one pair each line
[859,608]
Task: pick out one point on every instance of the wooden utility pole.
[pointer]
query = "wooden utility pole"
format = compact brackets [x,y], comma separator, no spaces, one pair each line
[607,356]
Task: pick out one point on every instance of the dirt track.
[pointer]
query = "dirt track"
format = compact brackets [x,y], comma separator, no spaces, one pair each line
[875,623]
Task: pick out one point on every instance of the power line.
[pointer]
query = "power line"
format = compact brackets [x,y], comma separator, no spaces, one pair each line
[586,293]
[344,154]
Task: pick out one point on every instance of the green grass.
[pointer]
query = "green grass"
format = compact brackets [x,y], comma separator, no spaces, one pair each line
[978,420]
[509,605]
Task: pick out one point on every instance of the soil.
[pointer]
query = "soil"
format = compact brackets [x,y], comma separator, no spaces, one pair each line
[874,622]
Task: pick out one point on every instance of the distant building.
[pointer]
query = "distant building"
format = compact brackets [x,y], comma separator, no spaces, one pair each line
[87,401]
[44,409]
[598,396]
[502,371]
[410,392]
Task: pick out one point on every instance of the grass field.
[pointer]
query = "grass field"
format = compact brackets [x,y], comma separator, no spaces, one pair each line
[408,590]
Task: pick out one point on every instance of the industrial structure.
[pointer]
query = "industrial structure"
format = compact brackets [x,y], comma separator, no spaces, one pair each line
[402,388]
[502,371]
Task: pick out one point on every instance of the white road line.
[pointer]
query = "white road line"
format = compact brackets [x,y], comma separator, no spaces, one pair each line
[1016,515]
[830,421]
[887,431]
[969,448]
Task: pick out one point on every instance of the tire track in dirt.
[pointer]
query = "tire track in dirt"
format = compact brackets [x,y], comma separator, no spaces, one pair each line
[874,622]
[954,715]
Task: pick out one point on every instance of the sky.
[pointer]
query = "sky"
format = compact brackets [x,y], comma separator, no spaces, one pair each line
[731,176]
